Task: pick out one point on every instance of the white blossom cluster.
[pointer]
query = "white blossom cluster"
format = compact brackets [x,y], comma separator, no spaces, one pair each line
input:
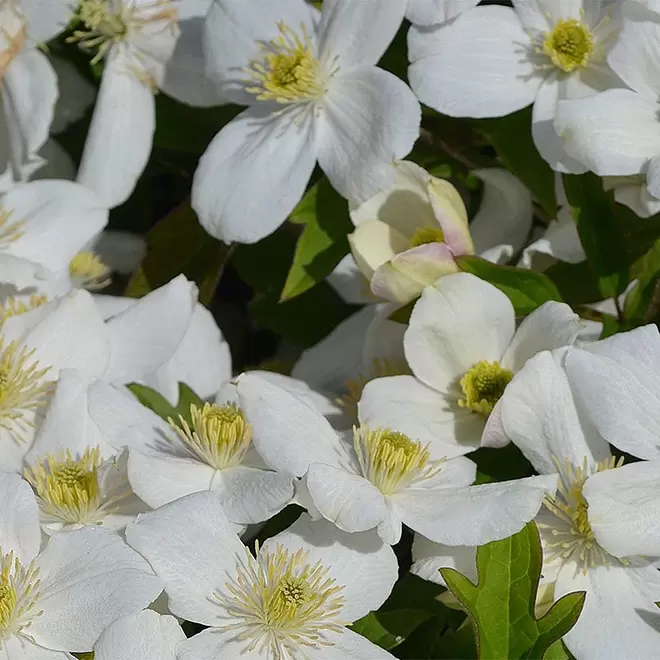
[104,505]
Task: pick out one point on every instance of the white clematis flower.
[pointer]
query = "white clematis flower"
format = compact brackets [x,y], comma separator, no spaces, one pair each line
[492,61]
[294,597]
[617,133]
[137,39]
[463,348]
[620,618]
[144,636]
[314,94]
[62,598]
[383,478]
[407,236]
[78,476]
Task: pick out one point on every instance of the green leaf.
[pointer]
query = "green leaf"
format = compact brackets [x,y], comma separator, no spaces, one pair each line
[557,651]
[512,138]
[501,604]
[527,290]
[577,283]
[323,242]
[178,244]
[595,214]
[643,302]
[502,464]
[161,406]
[436,640]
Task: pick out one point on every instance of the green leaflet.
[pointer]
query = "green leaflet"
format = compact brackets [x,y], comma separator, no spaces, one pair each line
[161,406]
[501,604]
[527,290]
[604,243]
[178,244]
[323,241]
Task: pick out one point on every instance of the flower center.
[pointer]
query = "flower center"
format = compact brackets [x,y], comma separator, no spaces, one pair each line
[280,601]
[574,536]
[391,460]
[288,71]
[21,388]
[67,489]
[219,436]
[19,592]
[9,231]
[427,234]
[87,271]
[483,386]
[14,306]
[103,25]
[569,45]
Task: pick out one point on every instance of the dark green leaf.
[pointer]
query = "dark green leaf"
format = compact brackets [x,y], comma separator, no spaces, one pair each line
[595,214]
[178,244]
[577,283]
[501,464]
[323,242]
[512,138]
[161,406]
[436,640]
[501,604]
[526,289]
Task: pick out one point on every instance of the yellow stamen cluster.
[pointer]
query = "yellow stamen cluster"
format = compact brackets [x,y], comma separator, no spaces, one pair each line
[104,23]
[14,306]
[569,45]
[19,592]
[9,231]
[427,234]
[88,271]
[483,386]
[22,388]
[280,601]
[288,70]
[391,460]
[575,538]
[219,436]
[380,368]
[67,488]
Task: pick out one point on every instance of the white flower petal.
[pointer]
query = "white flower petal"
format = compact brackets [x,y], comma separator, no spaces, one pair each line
[370,119]
[19,648]
[213,644]
[144,636]
[19,531]
[475,67]
[550,326]
[634,54]
[361,562]
[348,645]
[539,416]
[621,399]
[202,360]
[250,495]
[29,92]
[255,169]
[403,404]
[546,139]
[349,282]
[344,24]
[505,214]
[89,578]
[428,12]
[474,515]
[121,133]
[146,335]
[620,620]
[624,509]
[346,499]
[429,558]
[46,18]
[454,325]
[614,133]
[287,432]
[191,545]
